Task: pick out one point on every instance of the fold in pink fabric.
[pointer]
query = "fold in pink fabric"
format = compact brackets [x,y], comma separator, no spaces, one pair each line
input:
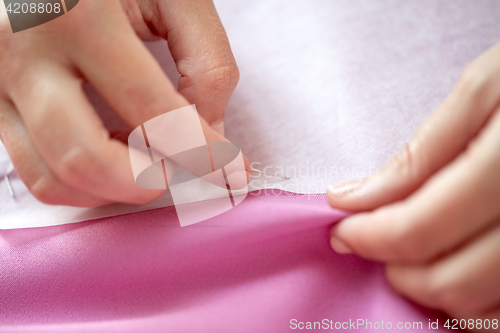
[255,268]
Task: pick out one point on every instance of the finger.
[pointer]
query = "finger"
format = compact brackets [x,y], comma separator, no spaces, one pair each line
[32,169]
[126,74]
[437,142]
[201,50]
[462,283]
[453,205]
[134,85]
[71,138]
[136,18]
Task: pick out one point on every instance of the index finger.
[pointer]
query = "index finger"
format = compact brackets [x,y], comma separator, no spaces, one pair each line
[128,76]
[453,206]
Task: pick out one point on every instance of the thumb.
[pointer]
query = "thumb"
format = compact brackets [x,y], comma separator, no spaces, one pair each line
[443,136]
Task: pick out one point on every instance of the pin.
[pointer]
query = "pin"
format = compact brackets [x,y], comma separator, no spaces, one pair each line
[9,186]
[270,174]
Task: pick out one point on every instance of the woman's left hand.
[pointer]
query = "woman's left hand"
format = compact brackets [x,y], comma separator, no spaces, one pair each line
[433,212]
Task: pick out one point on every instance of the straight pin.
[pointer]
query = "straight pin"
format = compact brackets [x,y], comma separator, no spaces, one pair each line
[9,186]
[270,174]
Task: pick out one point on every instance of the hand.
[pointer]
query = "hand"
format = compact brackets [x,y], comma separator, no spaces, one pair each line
[433,211]
[57,143]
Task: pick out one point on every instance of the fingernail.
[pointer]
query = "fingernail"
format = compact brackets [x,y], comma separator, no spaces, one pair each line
[339,246]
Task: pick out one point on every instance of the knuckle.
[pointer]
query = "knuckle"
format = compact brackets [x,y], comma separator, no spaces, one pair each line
[137,19]
[408,248]
[221,75]
[77,165]
[418,250]
[414,161]
[431,286]
[446,293]
[403,163]
[225,78]
[472,82]
[408,244]
[45,189]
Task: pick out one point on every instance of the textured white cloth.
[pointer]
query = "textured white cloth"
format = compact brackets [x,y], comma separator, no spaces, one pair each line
[329,90]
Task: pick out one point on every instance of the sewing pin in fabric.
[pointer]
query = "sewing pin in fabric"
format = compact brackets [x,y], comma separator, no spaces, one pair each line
[9,186]
[270,174]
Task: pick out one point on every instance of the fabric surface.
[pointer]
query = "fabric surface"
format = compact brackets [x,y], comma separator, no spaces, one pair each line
[339,85]
[329,90]
[252,269]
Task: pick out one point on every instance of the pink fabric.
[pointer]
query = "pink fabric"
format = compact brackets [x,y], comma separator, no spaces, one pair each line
[372,71]
[251,269]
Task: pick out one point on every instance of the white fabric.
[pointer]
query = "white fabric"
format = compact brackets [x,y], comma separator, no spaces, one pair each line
[329,90]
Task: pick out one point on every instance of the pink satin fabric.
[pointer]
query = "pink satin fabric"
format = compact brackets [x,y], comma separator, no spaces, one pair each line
[371,71]
[251,269]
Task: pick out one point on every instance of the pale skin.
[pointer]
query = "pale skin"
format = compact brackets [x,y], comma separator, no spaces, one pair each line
[57,142]
[432,213]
